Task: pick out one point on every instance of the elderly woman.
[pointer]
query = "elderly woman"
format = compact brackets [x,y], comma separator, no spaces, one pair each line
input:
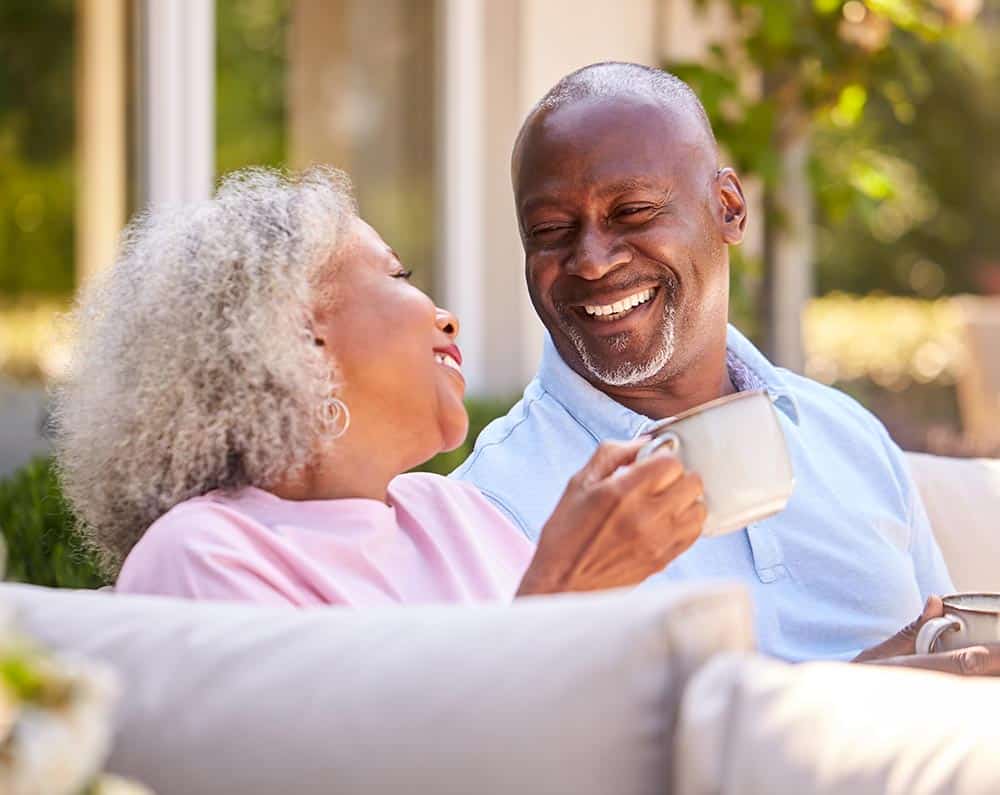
[250,382]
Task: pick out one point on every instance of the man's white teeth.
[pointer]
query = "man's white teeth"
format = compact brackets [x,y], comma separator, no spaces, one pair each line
[447,361]
[618,307]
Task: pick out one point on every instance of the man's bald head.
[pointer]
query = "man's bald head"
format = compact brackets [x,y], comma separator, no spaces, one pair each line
[613,79]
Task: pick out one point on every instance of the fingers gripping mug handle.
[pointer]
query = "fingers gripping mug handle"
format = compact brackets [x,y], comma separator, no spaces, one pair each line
[932,631]
[669,440]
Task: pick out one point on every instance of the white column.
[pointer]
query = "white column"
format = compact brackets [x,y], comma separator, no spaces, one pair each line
[100,133]
[177,95]
[461,196]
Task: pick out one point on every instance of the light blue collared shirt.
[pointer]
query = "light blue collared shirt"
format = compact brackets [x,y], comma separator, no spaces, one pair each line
[848,563]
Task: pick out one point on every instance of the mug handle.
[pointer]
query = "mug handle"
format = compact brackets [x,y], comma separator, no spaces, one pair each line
[668,439]
[932,631]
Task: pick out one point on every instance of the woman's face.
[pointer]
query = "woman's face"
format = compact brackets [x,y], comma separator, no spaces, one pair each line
[393,351]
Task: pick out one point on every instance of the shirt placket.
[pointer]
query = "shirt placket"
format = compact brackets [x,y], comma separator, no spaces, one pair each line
[768,560]
[765,548]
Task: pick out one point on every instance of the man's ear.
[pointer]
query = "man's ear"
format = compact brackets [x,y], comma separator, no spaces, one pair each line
[733,206]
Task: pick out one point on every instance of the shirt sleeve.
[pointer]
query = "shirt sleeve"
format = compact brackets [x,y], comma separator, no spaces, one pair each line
[198,554]
[928,562]
[929,568]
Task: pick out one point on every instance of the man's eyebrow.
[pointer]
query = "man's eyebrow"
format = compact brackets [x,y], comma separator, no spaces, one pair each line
[533,202]
[630,184]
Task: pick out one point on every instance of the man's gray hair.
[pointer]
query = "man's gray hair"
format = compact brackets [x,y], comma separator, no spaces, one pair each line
[194,366]
[620,78]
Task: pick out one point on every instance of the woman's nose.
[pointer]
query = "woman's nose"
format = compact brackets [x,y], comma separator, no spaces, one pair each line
[447,322]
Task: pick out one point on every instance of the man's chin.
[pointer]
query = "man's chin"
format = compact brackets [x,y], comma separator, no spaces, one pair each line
[619,360]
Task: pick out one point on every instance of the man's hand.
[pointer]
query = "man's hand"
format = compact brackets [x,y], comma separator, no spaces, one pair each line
[900,649]
[617,523]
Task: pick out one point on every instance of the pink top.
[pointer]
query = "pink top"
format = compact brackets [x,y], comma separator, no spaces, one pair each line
[437,540]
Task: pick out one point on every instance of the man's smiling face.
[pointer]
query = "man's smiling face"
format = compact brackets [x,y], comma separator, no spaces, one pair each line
[625,220]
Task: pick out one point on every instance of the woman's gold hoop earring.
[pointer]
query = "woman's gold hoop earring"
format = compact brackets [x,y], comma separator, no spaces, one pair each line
[336,415]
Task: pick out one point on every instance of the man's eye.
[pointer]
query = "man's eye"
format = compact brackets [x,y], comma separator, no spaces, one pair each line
[549,230]
[402,274]
[635,211]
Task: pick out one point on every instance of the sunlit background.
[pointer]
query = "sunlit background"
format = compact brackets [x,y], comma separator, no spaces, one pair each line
[869,131]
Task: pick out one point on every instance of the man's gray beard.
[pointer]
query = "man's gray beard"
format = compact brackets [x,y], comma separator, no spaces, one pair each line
[628,374]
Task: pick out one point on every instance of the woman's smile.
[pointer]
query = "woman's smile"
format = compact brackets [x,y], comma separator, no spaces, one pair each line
[451,357]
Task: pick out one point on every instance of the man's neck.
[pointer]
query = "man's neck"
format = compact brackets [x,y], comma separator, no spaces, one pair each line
[698,383]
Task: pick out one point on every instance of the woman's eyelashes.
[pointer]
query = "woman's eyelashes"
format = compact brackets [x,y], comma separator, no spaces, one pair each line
[402,274]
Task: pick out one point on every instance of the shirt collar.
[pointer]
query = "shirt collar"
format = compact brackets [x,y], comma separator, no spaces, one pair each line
[606,418]
[772,377]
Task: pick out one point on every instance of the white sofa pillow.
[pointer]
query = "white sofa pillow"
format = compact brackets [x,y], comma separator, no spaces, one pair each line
[569,694]
[752,725]
[962,497]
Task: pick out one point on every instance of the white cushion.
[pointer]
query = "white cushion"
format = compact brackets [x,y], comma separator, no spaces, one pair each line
[751,725]
[570,694]
[962,497]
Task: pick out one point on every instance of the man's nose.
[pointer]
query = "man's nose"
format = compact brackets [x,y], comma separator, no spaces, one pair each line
[596,254]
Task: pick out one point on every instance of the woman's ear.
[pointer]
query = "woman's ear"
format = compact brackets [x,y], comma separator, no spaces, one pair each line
[733,206]
[312,333]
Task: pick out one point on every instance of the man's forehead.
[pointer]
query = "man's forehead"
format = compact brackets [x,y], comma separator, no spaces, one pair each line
[610,145]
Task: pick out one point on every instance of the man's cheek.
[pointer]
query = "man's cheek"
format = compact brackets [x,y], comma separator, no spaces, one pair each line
[541,282]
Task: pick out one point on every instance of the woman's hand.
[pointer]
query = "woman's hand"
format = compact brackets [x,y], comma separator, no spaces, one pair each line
[617,523]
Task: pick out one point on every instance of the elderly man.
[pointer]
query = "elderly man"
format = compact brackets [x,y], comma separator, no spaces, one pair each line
[626,219]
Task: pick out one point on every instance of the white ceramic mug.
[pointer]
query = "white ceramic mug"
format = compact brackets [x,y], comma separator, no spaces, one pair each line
[969,619]
[737,446]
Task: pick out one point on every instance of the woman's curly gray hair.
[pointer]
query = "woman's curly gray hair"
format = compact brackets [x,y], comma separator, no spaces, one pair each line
[193,364]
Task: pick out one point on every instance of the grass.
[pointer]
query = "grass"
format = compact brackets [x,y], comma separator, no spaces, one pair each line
[37,525]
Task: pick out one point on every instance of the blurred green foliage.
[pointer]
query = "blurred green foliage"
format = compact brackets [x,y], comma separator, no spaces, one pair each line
[250,83]
[798,61]
[43,548]
[901,101]
[36,146]
[37,125]
[906,195]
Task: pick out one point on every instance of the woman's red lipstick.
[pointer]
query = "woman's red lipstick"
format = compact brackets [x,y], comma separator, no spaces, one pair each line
[452,351]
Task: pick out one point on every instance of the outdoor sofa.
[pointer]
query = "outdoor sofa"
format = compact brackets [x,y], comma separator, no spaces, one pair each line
[656,690]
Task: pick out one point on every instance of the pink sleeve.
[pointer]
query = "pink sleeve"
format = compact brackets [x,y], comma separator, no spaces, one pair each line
[199,553]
